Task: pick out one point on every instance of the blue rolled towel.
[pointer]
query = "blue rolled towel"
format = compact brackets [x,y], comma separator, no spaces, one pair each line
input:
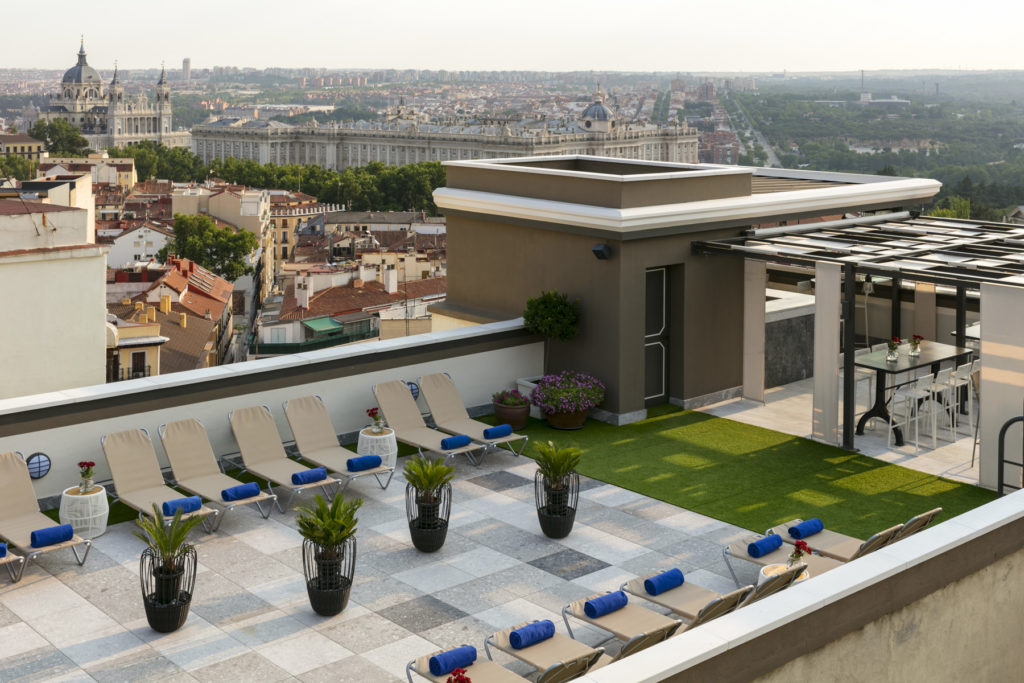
[443,663]
[240,492]
[531,634]
[805,529]
[3,550]
[52,535]
[659,583]
[309,476]
[187,505]
[497,431]
[363,462]
[605,604]
[765,545]
[453,442]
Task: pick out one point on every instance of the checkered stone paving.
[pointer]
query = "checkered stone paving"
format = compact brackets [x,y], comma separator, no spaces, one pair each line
[251,621]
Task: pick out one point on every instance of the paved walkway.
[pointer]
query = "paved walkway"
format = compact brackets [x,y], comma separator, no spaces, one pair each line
[788,409]
[251,619]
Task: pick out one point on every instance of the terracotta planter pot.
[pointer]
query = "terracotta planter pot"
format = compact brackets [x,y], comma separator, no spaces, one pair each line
[567,420]
[514,416]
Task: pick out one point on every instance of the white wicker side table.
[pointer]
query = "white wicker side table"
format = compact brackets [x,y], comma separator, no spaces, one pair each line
[381,443]
[85,512]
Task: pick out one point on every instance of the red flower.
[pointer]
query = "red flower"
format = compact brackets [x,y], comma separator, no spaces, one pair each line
[897,340]
[917,338]
[372,412]
[803,547]
[86,463]
[459,676]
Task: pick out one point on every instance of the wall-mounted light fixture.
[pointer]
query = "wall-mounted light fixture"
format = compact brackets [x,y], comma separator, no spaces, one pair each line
[602,252]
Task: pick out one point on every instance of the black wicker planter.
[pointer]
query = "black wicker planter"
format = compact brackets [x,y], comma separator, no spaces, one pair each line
[428,512]
[329,572]
[167,595]
[556,503]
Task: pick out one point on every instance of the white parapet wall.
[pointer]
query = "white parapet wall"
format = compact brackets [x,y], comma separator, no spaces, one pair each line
[270,382]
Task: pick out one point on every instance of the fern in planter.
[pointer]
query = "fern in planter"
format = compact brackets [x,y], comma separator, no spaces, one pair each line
[556,487]
[427,476]
[428,501]
[328,551]
[167,539]
[167,568]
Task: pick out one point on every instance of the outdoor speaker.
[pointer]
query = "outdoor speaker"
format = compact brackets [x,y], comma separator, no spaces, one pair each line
[602,251]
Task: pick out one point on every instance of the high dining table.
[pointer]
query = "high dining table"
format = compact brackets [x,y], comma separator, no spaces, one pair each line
[932,355]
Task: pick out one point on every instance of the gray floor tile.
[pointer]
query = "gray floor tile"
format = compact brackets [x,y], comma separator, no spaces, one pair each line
[37,665]
[422,614]
[465,631]
[380,592]
[499,481]
[365,633]
[353,669]
[146,665]
[568,564]
[248,667]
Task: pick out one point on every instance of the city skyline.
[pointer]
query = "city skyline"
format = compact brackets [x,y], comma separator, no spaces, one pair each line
[653,35]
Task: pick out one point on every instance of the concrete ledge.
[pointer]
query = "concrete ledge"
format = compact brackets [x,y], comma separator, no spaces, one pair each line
[618,419]
[706,399]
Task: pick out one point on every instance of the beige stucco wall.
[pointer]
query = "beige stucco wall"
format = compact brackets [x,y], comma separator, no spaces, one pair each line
[55,337]
[966,631]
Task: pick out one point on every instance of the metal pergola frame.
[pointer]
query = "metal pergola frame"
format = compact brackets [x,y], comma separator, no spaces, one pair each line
[956,253]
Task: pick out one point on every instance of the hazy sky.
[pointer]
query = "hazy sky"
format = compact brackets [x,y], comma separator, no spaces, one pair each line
[556,35]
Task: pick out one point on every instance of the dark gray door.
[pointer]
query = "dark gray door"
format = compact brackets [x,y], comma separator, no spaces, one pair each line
[656,337]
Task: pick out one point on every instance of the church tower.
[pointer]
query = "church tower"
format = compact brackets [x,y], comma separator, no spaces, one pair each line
[115,106]
[163,104]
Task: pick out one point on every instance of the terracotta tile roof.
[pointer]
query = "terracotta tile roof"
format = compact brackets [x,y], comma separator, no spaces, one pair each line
[186,348]
[348,299]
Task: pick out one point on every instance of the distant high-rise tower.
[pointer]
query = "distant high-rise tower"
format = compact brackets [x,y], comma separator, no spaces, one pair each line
[186,69]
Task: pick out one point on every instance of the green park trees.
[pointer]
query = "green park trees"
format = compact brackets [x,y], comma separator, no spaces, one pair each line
[16,167]
[221,250]
[61,138]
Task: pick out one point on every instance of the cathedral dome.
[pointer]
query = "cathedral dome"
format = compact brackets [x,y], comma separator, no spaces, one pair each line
[597,111]
[82,73]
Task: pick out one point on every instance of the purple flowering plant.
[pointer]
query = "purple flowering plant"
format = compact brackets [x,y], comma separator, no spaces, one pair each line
[510,397]
[567,392]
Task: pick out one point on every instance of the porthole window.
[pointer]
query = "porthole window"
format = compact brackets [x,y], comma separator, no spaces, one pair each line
[38,465]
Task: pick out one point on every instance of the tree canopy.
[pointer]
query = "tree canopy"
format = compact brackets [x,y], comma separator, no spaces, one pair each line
[61,138]
[22,169]
[221,250]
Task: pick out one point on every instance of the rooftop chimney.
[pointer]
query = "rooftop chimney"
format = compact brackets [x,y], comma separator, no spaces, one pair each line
[165,303]
[126,301]
[151,313]
[304,290]
[390,280]
[183,320]
[140,305]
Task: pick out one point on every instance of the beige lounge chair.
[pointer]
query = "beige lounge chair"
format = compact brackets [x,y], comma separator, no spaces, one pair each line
[480,671]
[816,564]
[915,524]
[262,453]
[318,443]
[196,468]
[559,658]
[137,476]
[402,414]
[20,516]
[696,604]
[838,546]
[450,415]
[637,627]
[774,583]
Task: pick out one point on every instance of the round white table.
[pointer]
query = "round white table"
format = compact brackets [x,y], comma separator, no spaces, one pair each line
[381,443]
[85,512]
[770,570]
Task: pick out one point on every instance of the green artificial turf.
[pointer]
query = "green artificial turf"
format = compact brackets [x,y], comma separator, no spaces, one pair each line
[754,477]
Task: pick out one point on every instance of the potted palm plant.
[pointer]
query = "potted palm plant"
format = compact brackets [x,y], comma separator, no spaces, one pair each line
[428,501]
[556,487]
[329,551]
[167,569]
